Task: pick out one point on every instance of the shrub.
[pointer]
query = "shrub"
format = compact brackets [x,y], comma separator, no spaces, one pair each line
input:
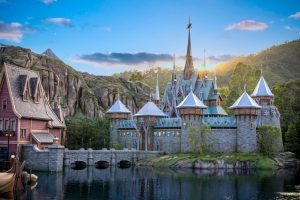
[269,139]
[196,135]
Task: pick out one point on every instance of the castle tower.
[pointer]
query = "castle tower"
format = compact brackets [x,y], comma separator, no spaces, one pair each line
[191,113]
[269,113]
[147,117]
[157,98]
[174,79]
[116,114]
[246,110]
[189,66]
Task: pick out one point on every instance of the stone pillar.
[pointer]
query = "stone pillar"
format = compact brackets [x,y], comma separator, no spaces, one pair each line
[66,157]
[90,157]
[113,157]
[56,154]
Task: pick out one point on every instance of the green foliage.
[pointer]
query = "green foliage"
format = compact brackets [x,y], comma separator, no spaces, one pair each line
[287,98]
[136,76]
[196,135]
[280,63]
[268,136]
[84,132]
[292,139]
[115,145]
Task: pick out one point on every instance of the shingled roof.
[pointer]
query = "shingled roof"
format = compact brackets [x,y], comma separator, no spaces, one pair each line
[244,101]
[150,109]
[17,77]
[191,101]
[118,107]
[262,89]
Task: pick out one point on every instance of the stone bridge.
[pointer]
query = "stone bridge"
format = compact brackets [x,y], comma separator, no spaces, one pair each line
[112,156]
[55,157]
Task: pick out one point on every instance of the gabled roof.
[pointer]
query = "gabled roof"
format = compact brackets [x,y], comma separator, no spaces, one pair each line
[214,110]
[191,101]
[244,101]
[15,77]
[118,107]
[150,109]
[262,89]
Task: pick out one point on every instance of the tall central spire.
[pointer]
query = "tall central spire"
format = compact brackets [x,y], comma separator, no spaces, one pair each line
[189,66]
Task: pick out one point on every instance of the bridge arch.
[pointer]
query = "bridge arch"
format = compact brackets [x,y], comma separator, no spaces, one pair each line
[102,164]
[78,165]
[124,164]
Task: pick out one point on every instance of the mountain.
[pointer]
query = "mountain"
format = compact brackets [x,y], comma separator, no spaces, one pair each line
[50,54]
[280,63]
[74,90]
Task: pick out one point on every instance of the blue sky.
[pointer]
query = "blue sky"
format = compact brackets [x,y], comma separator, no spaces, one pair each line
[109,36]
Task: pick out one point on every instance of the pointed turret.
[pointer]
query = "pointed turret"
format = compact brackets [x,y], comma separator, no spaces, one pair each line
[174,71]
[157,98]
[215,85]
[189,66]
[262,93]
[118,110]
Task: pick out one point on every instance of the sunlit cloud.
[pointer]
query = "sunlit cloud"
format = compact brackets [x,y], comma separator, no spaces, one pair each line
[295,16]
[220,58]
[59,21]
[14,31]
[247,25]
[47,2]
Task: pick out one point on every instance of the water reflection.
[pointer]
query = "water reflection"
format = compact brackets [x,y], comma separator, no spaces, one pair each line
[150,183]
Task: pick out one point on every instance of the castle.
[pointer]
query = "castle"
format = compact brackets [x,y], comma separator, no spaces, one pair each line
[194,100]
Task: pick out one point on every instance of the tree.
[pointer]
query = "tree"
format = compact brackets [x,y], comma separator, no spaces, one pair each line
[196,135]
[269,139]
[292,139]
[84,132]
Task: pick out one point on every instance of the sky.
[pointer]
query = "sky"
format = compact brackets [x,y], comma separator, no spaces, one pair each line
[109,36]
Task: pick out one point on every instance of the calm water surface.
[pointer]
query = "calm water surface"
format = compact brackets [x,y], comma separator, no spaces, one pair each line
[149,183]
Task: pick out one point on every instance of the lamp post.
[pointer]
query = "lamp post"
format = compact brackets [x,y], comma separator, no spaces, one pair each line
[8,135]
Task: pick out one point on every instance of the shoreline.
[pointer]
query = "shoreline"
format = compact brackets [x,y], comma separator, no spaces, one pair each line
[223,161]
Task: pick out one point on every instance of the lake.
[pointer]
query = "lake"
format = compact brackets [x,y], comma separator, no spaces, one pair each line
[157,183]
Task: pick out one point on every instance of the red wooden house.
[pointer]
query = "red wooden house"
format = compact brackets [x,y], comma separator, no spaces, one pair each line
[25,111]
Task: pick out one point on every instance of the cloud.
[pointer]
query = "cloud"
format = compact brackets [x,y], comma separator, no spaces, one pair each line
[295,16]
[13,31]
[113,59]
[48,2]
[59,21]
[247,25]
[287,28]
[221,58]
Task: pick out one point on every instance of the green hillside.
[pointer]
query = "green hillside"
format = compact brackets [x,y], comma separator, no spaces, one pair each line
[280,63]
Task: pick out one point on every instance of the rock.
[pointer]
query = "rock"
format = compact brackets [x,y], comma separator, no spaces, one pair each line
[183,164]
[286,160]
[77,91]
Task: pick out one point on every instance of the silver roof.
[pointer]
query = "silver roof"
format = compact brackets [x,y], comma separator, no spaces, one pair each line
[244,101]
[150,109]
[118,107]
[262,89]
[191,101]
[43,137]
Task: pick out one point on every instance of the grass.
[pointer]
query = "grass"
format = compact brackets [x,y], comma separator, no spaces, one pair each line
[169,160]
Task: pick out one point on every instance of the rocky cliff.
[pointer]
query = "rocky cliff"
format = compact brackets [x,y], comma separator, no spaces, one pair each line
[74,90]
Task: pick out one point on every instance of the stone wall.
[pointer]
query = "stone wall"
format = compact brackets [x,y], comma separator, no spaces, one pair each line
[50,159]
[246,134]
[221,140]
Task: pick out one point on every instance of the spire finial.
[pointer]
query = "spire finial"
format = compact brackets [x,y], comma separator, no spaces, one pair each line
[261,70]
[204,62]
[215,83]
[189,25]
[118,94]
[150,96]
[245,86]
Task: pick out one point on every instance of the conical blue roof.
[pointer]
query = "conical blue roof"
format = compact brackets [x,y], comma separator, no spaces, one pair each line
[244,101]
[191,101]
[150,109]
[262,89]
[118,107]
